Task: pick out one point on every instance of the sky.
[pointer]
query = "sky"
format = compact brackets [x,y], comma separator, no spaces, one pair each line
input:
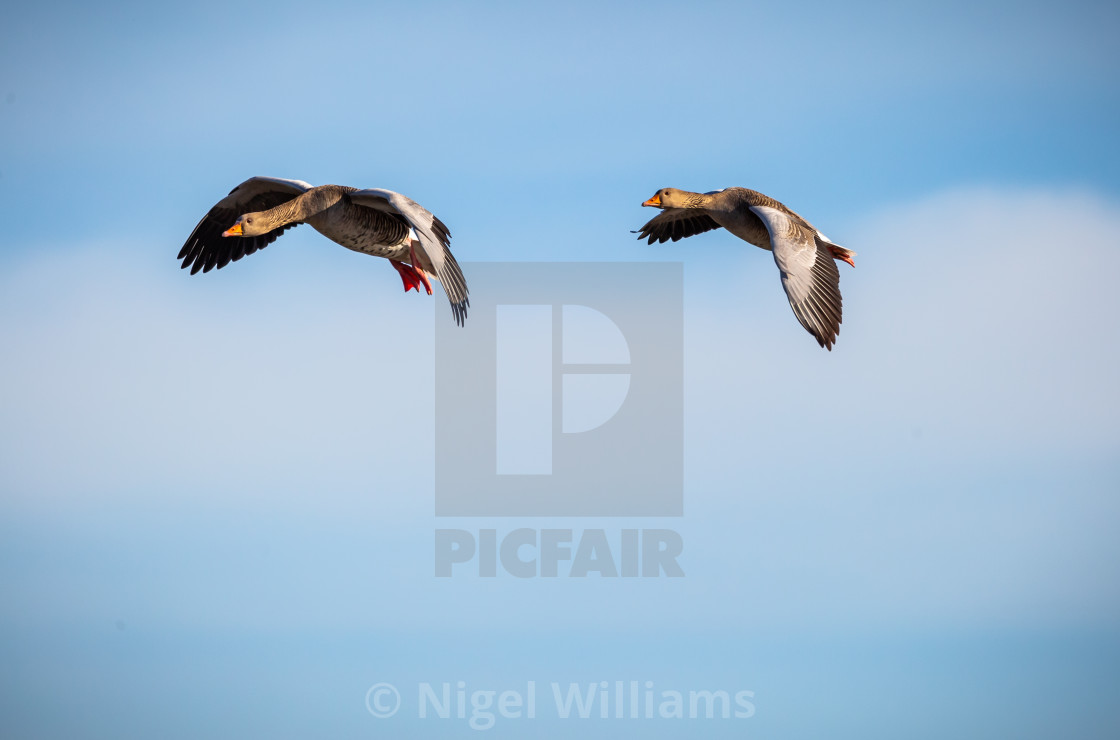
[218,493]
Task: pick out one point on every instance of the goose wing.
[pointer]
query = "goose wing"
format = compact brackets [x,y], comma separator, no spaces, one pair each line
[676,224]
[206,248]
[809,274]
[434,239]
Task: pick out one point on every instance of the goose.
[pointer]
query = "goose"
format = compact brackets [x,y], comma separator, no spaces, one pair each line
[804,255]
[377,222]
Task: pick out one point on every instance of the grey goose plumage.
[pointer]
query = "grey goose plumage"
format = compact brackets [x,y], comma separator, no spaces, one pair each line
[376,222]
[804,255]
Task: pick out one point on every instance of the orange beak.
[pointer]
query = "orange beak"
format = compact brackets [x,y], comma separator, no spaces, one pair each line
[234,230]
[655,201]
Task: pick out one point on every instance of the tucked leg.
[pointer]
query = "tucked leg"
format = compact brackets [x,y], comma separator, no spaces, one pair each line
[419,271]
[411,279]
[843,254]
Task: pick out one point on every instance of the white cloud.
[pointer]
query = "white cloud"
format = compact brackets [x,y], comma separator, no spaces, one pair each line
[913,473]
[126,377]
[951,458]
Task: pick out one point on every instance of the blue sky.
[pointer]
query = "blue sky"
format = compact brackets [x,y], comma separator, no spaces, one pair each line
[216,493]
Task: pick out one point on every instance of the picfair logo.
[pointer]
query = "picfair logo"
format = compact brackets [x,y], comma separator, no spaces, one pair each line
[563,394]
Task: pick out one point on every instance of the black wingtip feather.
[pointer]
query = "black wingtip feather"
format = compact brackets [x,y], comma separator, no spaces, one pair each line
[459,311]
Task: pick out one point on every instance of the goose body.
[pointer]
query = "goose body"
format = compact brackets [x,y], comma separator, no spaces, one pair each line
[805,257]
[375,222]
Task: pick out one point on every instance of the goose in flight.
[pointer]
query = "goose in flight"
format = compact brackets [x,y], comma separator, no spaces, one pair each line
[377,222]
[804,255]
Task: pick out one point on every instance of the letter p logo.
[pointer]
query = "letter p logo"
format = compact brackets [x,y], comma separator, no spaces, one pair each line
[563,394]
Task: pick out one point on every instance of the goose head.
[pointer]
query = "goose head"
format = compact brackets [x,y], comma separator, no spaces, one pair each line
[250,224]
[666,198]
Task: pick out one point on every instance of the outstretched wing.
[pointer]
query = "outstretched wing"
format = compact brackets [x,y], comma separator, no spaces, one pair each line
[809,274]
[206,248]
[434,238]
[676,224]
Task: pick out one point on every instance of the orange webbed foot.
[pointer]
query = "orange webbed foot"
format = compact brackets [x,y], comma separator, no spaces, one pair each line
[408,275]
[843,255]
[419,272]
